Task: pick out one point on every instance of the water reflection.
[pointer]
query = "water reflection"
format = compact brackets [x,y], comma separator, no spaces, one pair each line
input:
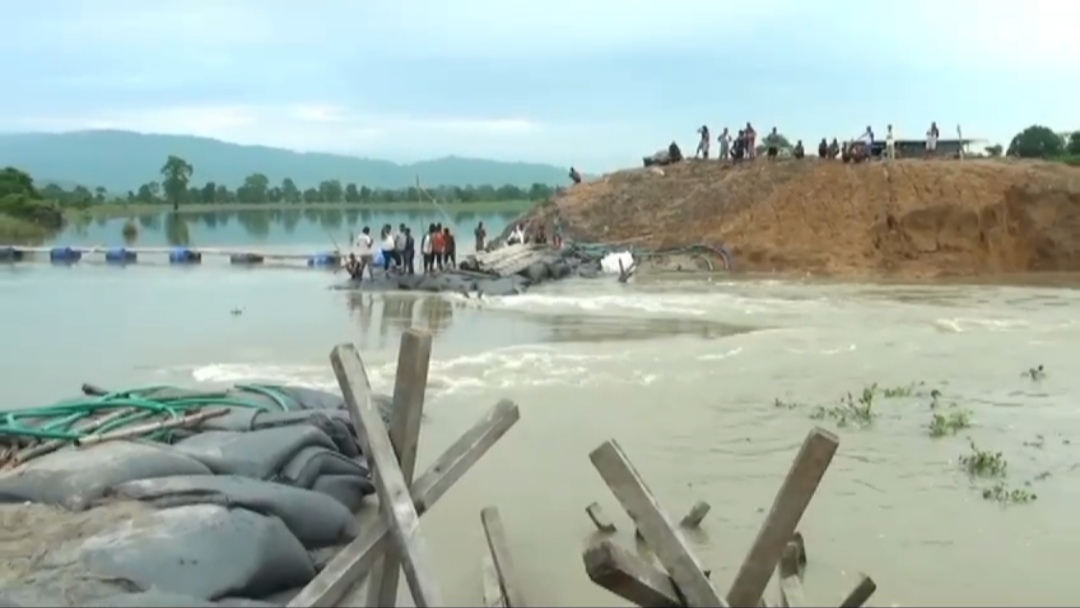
[397,312]
[197,227]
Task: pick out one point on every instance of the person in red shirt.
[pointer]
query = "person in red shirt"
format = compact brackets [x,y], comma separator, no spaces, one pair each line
[449,249]
[438,246]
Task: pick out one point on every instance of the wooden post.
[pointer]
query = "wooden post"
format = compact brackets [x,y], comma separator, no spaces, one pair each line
[791,591]
[493,595]
[860,593]
[655,525]
[696,514]
[788,507]
[500,554]
[345,568]
[599,518]
[410,384]
[629,577]
[394,499]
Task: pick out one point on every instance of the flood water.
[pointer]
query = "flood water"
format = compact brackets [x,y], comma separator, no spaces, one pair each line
[684,373]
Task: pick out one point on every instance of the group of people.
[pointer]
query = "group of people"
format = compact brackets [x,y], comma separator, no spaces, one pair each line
[438,250]
[743,145]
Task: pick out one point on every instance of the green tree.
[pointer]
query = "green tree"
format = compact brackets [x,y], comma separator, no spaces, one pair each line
[176,173]
[1036,141]
[209,193]
[352,195]
[330,191]
[254,189]
[994,150]
[289,192]
[311,195]
[1073,146]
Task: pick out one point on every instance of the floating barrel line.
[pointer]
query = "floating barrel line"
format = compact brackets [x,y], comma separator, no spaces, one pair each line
[121,256]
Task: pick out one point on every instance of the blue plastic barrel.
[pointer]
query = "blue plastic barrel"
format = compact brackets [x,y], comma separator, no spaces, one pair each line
[324,260]
[246,259]
[64,255]
[120,255]
[378,257]
[11,254]
[184,255]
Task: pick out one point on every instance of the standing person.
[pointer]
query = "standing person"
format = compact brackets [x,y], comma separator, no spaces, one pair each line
[932,136]
[751,140]
[481,237]
[556,232]
[410,252]
[725,143]
[868,140]
[399,247]
[365,252]
[449,249]
[438,247]
[772,144]
[703,145]
[389,254]
[427,249]
[890,144]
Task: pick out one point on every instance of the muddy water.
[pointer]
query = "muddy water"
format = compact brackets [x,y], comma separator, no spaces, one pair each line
[684,374]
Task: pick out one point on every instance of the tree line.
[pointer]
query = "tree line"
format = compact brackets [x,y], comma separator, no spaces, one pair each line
[176,187]
[1038,141]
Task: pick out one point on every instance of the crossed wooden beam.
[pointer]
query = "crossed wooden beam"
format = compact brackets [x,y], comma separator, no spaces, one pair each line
[391,540]
[683,581]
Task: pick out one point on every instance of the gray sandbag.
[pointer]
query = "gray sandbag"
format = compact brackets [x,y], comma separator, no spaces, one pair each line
[335,423]
[310,463]
[74,478]
[507,286]
[203,551]
[536,273]
[259,454]
[559,269]
[316,519]
[409,282]
[588,272]
[349,490]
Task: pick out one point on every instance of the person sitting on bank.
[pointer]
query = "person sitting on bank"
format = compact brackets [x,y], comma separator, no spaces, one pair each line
[354,268]
[575,175]
[517,235]
[823,149]
[798,152]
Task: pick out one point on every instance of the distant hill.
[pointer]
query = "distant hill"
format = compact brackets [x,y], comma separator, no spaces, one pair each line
[123,160]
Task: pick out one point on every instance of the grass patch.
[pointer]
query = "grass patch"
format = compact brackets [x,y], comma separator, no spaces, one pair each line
[982,464]
[15,231]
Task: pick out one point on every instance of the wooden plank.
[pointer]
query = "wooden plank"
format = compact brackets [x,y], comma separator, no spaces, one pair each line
[500,553]
[599,518]
[860,594]
[787,509]
[655,526]
[791,591]
[394,499]
[357,557]
[696,514]
[493,594]
[410,384]
[629,577]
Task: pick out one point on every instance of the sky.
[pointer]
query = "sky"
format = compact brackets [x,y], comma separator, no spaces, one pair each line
[592,83]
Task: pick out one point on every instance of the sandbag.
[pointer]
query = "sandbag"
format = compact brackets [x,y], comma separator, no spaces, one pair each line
[258,454]
[317,520]
[150,599]
[310,463]
[349,490]
[75,477]
[537,272]
[335,423]
[506,286]
[202,551]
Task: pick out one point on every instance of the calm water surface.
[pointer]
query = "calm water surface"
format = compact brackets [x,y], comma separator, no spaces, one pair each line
[683,373]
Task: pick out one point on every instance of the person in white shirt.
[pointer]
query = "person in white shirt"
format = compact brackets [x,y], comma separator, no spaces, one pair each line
[388,243]
[365,252]
[399,247]
[725,144]
[517,236]
[931,139]
[890,144]
[427,249]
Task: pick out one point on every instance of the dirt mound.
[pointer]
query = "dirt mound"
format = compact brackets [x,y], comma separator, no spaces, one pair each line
[911,218]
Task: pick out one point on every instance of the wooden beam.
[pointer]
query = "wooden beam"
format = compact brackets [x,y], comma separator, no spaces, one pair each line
[599,518]
[500,554]
[791,591]
[696,514]
[493,594]
[655,526]
[410,384]
[629,577]
[860,594]
[395,502]
[787,509]
[353,562]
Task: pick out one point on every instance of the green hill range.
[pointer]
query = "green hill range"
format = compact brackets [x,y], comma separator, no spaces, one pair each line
[122,160]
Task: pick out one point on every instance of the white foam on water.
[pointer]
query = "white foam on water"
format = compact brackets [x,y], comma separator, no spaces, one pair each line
[311,376]
[721,356]
[959,325]
[688,305]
